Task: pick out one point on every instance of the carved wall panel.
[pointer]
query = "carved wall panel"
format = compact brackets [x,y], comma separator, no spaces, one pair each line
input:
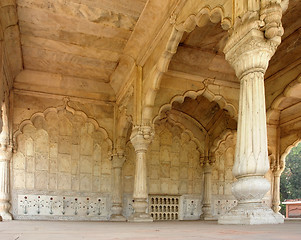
[172,163]
[173,170]
[190,207]
[222,178]
[61,207]
[61,153]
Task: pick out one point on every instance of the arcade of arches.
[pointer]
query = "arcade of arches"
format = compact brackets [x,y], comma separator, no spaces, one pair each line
[147,110]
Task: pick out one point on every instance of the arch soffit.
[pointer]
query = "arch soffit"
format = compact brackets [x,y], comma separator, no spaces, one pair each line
[206,14]
[223,104]
[56,110]
[274,109]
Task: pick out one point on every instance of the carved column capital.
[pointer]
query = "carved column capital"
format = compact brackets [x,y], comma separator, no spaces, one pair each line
[254,40]
[141,137]
[5,152]
[207,168]
[118,160]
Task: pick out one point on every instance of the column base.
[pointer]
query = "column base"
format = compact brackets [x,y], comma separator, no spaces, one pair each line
[140,217]
[251,214]
[117,218]
[208,218]
[5,217]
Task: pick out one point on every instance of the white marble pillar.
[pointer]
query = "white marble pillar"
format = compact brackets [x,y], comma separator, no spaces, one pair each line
[276,190]
[141,138]
[117,163]
[249,50]
[207,210]
[5,158]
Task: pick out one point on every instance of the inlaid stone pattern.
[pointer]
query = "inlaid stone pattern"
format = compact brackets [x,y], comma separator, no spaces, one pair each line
[61,152]
[190,207]
[222,206]
[128,209]
[164,208]
[172,163]
[222,177]
[60,207]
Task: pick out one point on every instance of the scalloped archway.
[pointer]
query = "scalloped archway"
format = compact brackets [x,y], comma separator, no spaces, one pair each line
[56,110]
[220,100]
[206,14]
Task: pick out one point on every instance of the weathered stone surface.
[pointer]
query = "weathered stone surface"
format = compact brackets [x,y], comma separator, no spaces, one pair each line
[129,66]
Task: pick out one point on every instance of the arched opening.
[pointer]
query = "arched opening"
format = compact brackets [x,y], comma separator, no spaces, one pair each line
[290,184]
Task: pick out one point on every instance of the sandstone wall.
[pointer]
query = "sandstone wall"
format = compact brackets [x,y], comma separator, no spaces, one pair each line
[62,166]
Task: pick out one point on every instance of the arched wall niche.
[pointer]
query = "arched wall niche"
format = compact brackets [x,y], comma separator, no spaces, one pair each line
[173,163]
[222,153]
[61,167]
[202,17]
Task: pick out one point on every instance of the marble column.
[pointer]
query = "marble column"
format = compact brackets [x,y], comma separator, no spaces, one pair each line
[141,138]
[276,190]
[117,163]
[249,50]
[207,210]
[5,158]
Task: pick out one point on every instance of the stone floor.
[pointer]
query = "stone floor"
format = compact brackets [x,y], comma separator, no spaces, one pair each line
[44,230]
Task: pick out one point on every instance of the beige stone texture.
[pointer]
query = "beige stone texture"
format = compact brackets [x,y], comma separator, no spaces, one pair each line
[168,85]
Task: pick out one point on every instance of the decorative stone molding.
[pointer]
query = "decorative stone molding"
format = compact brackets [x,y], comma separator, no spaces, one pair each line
[220,100]
[271,13]
[249,52]
[204,16]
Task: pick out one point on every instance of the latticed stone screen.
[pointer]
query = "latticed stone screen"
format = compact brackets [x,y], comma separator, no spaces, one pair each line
[164,207]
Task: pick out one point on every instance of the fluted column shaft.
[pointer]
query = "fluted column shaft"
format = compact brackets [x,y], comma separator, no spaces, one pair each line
[117,163]
[5,158]
[276,191]
[207,214]
[249,51]
[141,138]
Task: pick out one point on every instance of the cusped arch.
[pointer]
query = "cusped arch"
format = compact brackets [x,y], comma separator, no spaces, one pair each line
[221,139]
[204,16]
[274,109]
[220,100]
[287,151]
[30,122]
[190,134]
[200,19]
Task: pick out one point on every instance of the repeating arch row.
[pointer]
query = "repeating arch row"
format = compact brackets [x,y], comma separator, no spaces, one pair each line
[56,110]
